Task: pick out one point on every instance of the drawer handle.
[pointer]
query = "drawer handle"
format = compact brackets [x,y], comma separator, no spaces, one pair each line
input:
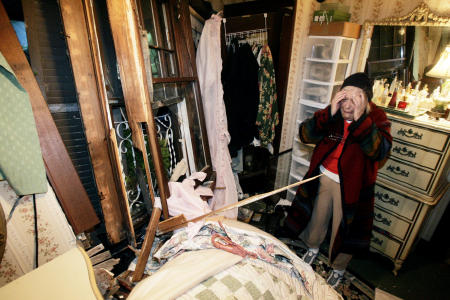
[379,218]
[404,151]
[410,133]
[386,199]
[398,171]
[377,241]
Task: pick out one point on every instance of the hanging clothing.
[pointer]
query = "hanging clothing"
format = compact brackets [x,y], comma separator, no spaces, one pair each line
[21,160]
[241,95]
[267,117]
[209,68]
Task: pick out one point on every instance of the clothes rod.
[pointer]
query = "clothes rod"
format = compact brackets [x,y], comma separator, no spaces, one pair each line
[247,32]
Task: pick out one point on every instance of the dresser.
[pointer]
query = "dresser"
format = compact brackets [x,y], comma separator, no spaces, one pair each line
[411,182]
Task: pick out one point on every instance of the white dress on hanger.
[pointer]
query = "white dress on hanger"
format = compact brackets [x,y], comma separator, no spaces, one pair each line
[209,68]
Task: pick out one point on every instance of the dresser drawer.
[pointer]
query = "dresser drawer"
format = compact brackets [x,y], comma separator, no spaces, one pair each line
[395,202]
[390,223]
[406,175]
[384,244]
[415,155]
[418,135]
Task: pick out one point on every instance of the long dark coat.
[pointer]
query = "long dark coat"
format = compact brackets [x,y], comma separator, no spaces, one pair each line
[368,143]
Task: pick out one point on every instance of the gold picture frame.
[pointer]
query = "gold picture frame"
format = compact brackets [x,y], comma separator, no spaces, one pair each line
[420,16]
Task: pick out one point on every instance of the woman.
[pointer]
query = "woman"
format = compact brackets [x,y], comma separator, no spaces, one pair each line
[352,136]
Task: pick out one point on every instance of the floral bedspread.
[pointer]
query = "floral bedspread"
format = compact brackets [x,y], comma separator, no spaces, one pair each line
[268,251]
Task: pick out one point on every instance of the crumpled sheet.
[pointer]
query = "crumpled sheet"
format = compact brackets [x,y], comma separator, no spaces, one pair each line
[184,199]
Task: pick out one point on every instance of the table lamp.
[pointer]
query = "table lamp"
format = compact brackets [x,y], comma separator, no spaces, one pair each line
[442,70]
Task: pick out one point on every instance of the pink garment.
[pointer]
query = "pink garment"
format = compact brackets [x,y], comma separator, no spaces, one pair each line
[209,68]
[184,199]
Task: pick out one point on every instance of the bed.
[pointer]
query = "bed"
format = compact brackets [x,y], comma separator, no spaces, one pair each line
[197,267]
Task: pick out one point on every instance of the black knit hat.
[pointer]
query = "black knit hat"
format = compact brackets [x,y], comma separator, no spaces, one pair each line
[361,81]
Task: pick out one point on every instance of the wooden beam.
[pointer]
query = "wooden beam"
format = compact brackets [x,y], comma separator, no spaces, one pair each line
[147,245]
[60,170]
[127,43]
[88,74]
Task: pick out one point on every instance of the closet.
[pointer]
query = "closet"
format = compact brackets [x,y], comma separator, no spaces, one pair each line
[247,28]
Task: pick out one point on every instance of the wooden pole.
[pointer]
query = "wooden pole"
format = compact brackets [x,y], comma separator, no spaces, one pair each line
[147,245]
[153,225]
[234,205]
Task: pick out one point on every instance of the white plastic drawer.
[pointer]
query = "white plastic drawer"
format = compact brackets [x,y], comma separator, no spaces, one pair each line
[390,223]
[290,195]
[395,202]
[306,112]
[341,70]
[321,93]
[301,150]
[321,48]
[346,49]
[323,71]
[298,171]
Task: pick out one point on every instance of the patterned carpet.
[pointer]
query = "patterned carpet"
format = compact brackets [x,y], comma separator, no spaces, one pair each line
[350,288]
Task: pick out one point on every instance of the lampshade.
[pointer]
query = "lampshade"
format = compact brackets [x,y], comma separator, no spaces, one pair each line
[442,68]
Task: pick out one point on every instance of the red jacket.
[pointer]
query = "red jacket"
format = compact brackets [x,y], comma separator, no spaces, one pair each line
[369,141]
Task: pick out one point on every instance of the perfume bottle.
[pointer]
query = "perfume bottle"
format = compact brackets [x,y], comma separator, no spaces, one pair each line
[385,97]
[402,104]
[393,101]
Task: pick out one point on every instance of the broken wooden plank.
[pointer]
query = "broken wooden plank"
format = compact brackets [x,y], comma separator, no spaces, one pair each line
[118,171]
[147,245]
[165,225]
[60,170]
[94,250]
[108,264]
[101,257]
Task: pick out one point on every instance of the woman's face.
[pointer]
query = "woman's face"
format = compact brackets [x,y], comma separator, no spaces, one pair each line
[348,104]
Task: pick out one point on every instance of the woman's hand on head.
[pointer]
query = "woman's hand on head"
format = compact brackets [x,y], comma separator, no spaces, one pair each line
[360,101]
[336,101]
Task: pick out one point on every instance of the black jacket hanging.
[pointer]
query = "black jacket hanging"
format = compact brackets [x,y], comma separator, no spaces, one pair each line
[241,95]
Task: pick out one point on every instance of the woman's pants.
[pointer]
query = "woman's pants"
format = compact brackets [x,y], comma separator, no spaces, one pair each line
[327,205]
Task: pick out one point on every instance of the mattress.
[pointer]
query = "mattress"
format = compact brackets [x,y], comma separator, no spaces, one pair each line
[193,268]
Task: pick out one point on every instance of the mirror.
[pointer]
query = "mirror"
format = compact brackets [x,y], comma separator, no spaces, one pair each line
[406,52]
[400,52]
[406,47]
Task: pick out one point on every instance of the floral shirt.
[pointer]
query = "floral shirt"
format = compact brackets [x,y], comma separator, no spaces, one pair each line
[267,117]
